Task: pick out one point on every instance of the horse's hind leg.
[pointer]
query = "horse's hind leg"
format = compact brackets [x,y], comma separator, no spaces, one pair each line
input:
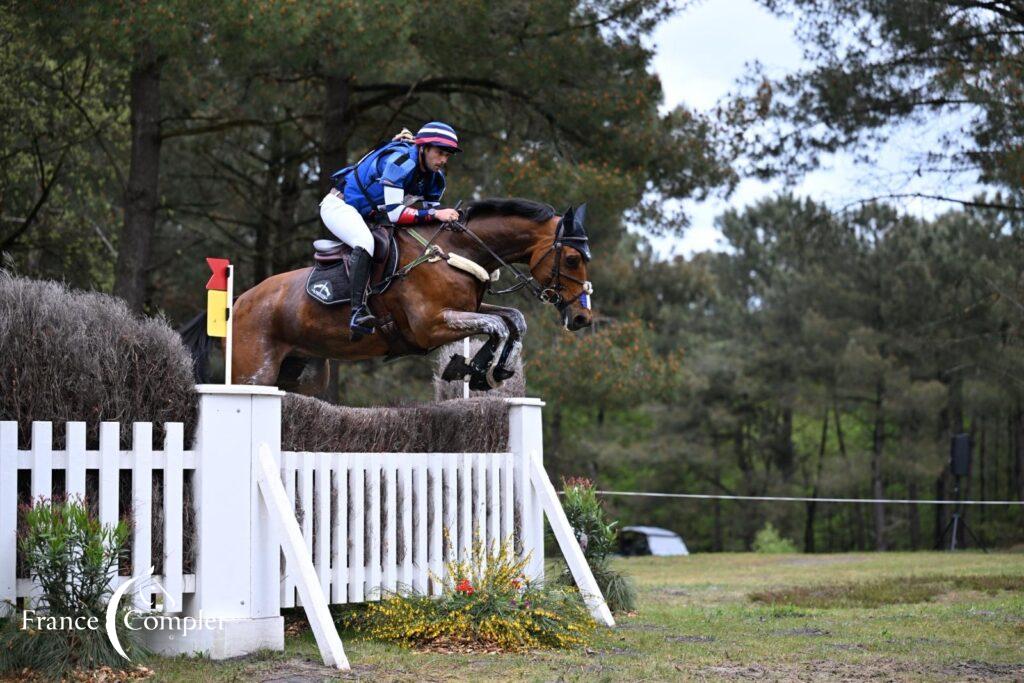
[307,376]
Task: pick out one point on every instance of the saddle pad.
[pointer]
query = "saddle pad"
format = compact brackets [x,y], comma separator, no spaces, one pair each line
[330,284]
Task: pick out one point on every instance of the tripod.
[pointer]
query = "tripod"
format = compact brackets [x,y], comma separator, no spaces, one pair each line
[957,522]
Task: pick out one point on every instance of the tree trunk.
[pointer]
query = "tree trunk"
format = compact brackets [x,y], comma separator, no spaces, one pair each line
[1018,463]
[266,225]
[812,505]
[716,540]
[877,485]
[337,128]
[982,512]
[915,516]
[141,197]
[940,516]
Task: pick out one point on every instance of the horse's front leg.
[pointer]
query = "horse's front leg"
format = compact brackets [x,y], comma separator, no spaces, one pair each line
[482,368]
[516,321]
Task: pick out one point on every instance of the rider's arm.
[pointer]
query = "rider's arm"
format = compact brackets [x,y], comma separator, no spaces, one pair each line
[400,214]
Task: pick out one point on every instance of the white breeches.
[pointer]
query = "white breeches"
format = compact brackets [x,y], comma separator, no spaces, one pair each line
[345,223]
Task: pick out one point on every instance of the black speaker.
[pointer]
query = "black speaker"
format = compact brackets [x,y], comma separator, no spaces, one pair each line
[960,455]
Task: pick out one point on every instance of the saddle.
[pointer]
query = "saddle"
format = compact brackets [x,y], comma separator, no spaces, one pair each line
[329,282]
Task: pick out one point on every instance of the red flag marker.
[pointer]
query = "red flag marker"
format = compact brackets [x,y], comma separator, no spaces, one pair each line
[219,279]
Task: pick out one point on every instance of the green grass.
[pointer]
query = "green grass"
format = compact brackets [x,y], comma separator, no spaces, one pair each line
[906,616]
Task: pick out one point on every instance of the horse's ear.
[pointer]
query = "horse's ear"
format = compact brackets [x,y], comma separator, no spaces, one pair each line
[579,215]
[567,220]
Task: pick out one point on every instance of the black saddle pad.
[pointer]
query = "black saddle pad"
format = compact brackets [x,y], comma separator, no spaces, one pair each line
[329,284]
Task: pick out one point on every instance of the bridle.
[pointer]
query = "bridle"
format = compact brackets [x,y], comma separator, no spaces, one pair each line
[549,291]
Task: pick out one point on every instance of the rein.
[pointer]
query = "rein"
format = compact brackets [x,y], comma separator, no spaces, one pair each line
[549,292]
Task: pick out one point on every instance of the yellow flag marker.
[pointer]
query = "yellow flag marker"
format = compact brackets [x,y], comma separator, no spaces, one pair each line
[216,313]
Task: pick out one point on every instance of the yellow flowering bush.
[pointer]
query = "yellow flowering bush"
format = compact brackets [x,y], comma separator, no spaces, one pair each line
[486,602]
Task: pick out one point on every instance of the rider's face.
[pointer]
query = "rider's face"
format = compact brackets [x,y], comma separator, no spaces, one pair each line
[434,158]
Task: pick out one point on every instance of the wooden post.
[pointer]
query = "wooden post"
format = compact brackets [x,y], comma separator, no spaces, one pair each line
[238,568]
[525,436]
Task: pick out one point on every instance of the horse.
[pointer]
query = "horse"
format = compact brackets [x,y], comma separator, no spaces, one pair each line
[283,336]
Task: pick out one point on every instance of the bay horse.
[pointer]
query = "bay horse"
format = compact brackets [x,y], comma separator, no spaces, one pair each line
[279,329]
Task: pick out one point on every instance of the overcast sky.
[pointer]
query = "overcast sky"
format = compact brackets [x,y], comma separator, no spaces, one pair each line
[701,51]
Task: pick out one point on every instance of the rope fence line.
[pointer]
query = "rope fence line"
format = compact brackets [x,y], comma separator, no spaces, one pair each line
[799,499]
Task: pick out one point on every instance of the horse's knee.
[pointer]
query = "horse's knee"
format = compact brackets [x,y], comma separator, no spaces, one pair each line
[518,321]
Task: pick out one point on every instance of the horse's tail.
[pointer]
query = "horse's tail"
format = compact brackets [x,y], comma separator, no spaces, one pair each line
[193,333]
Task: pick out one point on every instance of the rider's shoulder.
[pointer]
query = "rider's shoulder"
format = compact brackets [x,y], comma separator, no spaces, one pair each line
[400,154]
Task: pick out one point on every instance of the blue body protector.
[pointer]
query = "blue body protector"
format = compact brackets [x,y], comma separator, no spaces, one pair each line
[394,164]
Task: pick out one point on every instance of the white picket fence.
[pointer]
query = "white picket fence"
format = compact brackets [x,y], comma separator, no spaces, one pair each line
[42,462]
[372,522]
[378,523]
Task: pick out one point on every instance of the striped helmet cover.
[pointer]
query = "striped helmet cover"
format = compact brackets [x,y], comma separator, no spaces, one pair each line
[438,133]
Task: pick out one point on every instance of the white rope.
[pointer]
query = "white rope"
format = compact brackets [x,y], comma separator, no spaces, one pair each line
[798,499]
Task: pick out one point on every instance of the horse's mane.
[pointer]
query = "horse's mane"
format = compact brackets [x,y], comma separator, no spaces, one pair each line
[523,208]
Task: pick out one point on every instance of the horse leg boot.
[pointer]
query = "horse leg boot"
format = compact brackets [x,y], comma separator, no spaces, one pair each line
[362,320]
[475,369]
[467,323]
[505,367]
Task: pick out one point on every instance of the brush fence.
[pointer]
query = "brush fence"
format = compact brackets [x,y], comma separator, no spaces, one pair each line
[372,522]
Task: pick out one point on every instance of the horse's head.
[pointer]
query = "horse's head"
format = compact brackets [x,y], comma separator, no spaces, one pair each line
[561,270]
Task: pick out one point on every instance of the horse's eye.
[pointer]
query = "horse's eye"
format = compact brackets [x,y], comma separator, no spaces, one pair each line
[572,261]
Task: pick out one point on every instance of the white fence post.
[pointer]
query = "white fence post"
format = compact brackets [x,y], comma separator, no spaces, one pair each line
[8,513]
[237,549]
[526,436]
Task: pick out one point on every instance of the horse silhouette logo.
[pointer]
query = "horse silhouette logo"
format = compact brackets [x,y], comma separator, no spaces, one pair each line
[322,290]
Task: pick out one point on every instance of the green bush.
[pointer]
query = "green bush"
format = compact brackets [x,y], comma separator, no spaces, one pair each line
[71,555]
[769,540]
[597,539]
[486,602]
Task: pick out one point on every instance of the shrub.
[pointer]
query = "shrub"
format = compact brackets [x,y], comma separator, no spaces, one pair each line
[486,602]
[769,540]
[597,539]
[67,355]
[479,425]
[72,556]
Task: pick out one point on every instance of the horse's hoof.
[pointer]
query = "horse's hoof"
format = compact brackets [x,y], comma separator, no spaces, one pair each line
[478,382]
[456,369]
[502,374]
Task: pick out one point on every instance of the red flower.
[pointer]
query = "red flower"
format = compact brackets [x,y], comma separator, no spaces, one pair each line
[464,586]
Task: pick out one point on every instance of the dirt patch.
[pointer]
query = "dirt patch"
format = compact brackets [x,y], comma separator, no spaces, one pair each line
[985,671]
[888,591]
[640,627]
[813,632]
[690,639]
[307,671]
[877,670]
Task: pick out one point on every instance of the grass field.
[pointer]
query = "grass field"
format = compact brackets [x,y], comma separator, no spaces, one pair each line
[895,616]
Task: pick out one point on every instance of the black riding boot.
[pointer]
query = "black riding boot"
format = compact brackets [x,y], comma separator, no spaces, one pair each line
[359,272]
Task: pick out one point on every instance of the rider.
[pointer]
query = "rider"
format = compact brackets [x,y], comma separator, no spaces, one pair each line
[386,182]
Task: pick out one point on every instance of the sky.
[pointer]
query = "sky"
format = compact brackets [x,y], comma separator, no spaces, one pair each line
[700,53]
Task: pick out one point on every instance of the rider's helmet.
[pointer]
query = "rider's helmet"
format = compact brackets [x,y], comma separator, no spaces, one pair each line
[438,134]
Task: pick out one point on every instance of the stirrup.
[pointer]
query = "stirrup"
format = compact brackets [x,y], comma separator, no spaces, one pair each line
[361,323]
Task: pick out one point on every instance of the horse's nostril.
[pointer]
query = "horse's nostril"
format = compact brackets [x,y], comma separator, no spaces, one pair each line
[580,320]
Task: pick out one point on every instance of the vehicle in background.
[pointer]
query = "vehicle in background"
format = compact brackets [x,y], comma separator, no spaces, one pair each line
[650,540]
